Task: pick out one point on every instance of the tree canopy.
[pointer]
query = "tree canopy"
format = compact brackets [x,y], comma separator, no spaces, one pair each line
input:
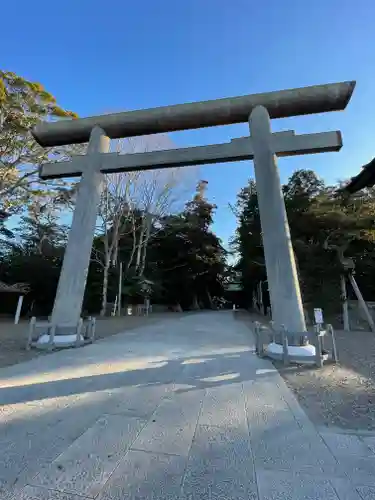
[22,105]
[184,267]
[323,222]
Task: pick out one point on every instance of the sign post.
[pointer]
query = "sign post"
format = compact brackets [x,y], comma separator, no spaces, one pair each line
[318,316]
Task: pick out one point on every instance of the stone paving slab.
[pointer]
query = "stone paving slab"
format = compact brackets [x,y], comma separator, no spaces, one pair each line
[220,465]
[223,447]
[345,489]
[137,401]
[370,442]
[33,440]
[88,463]
[173,425]
[361,470]
[39,493]
[143,475]
[276,485]
[344,445]
[181,411]
[204,482]
[297,452]
[224,408]
[366,492]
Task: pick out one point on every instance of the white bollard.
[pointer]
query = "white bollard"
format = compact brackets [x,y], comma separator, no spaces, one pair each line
[18,310]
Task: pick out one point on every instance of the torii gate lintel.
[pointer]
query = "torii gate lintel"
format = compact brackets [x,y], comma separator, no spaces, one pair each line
[283,144]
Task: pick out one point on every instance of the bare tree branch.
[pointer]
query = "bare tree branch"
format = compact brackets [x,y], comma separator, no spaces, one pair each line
[135,203]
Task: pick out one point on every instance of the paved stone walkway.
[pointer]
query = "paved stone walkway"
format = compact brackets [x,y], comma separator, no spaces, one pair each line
[182,410]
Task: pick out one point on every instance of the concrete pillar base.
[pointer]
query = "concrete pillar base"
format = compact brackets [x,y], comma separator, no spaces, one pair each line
[297,354]
[45,335]
[275,351]
[59,341]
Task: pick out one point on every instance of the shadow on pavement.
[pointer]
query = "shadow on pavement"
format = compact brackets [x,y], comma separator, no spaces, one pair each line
[193,372]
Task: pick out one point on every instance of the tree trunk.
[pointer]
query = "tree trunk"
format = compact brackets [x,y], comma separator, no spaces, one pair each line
[146,238]
[195,305]
[209,299]
[140,246]
[105,288]
[134,247]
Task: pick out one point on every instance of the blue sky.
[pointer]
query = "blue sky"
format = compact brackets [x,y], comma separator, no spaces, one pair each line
[98,57]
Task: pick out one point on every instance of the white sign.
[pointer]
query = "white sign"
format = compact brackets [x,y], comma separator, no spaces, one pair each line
[318,316]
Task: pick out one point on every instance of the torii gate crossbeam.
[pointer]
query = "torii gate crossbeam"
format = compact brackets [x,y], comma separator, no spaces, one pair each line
[279,104]
[283,143]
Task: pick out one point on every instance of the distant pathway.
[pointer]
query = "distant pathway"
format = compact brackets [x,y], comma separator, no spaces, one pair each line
[178,410]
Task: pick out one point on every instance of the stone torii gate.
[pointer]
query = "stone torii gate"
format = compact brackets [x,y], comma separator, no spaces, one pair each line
[262,147]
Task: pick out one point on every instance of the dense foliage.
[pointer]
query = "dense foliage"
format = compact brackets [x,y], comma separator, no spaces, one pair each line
[22,105]
[184,267]
[185,260]
[323,224]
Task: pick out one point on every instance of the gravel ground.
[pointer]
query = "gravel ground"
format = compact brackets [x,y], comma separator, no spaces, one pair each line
[341,395]
[13,337]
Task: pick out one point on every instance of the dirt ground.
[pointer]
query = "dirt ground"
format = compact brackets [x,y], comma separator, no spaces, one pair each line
[13,337]
[341,395]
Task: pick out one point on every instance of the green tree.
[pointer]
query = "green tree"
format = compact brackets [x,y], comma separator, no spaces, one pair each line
[189,259]
[34,257]
[321,223]
[40,231]
[248,240]
[22,105]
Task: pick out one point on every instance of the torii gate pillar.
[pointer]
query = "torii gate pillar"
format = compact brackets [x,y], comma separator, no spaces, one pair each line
[285,295]
[73,276]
